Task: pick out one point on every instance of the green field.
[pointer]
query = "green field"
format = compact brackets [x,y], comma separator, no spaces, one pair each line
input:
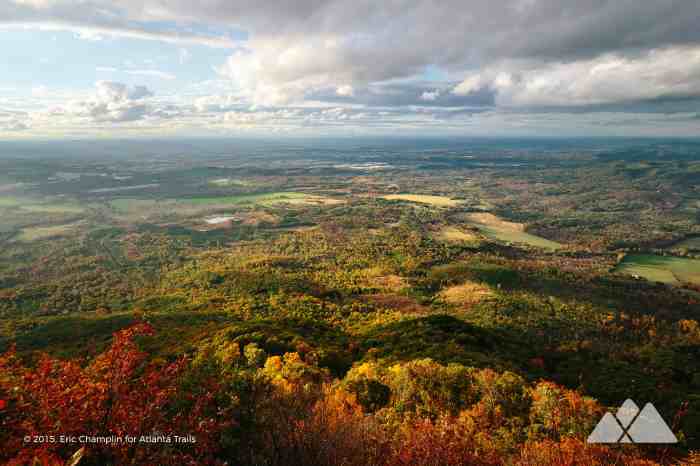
[518,237]
[440,201]
[45,232]
[132,205]
[28,204]
[691,244]
[53,208]
[508,232]
[670,270]
[259,199]
[203,203]
[10,201]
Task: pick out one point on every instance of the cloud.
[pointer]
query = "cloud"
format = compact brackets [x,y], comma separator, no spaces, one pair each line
[113,102]
[116,92]
[286,60]
[430,96]
[184,56]
[148,73]
[414,63]
[295,50]
[345,91]
[408,93]
[152,73]
[454,31]
[40,91]
[611,78]
[95,19]
[13,125]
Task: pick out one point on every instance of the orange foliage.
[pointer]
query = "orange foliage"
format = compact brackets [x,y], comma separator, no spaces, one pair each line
[575,452]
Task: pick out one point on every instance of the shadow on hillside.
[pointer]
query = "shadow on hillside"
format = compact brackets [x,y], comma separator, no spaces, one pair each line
[443,338]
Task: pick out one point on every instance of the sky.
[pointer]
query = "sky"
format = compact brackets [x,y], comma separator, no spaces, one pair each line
[146,68]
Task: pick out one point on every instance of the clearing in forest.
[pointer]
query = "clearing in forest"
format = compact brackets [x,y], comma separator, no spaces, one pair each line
[691,244]
[36,233]
[440,201]
[669,270]
[265,199]
[192,206]
[53,208]
[453,234]
[466,294]
[508,232]
[27,204]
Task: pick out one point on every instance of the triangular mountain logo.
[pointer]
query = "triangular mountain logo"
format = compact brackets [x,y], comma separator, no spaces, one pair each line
[630,425]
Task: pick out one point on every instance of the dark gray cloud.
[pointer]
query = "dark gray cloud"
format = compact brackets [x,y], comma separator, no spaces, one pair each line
[455,31]
[419,32]
[419,94]
[682,104]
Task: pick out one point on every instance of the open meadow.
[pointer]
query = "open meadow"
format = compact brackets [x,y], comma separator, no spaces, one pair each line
[670,270]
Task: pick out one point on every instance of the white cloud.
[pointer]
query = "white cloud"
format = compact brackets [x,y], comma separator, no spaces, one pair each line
[184,56]
[115,92]
[88,31]
[13,125]
[470,85]
[669,72]
[113,102]
[345,90]
[430,96]
[152,73]
[40,91]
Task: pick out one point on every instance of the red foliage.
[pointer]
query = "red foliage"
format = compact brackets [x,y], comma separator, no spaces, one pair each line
[50,406]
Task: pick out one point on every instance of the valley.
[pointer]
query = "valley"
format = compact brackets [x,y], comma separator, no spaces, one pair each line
[370,264]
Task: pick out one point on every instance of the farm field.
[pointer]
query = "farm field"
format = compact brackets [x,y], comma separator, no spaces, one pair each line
[257,199]
[455,234]
[508,232]
[440,201]
[38,233]
[664,269]
[200,204]
[692,244]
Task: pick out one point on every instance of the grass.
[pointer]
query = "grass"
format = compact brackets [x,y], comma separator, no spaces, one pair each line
[258,199]
[130,205]
[36,233]
[53,208]
[669,270]
[34,205]
[10,201]
[230,182]
[193,205]
[455,235]
[466,294]
[508,232]
[439,201]
[692,244]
